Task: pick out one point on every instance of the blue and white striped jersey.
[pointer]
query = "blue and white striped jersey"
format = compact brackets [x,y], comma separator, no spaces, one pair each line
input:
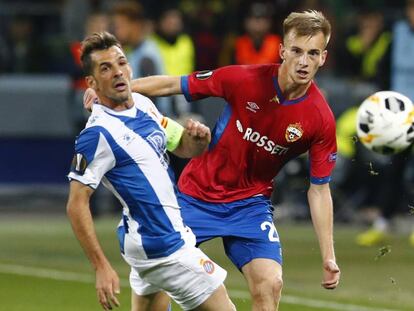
[126,150]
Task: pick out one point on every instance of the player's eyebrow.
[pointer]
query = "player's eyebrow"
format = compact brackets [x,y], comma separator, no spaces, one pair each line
[108,63]
[314,50]
[104,63]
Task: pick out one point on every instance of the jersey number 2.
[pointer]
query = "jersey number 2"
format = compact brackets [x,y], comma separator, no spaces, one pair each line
[272,234]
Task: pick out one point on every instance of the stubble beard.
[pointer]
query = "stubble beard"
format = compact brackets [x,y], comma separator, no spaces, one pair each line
[120,99]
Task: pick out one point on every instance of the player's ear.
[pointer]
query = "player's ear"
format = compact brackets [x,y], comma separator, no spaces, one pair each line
[91,82]
[323,57]
[282,51]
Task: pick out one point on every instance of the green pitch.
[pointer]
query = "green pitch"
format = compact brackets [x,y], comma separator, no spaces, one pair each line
[43,268]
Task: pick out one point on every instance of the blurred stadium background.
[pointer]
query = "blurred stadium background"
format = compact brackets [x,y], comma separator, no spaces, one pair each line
[41,264]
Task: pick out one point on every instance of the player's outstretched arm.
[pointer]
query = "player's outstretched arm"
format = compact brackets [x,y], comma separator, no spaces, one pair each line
[160,85]
[194,140]
[321,207]
[151,86]
[107,280]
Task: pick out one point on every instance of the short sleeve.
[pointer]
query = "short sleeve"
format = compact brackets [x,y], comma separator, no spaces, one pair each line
[93,158]
[217,83]
[323,154]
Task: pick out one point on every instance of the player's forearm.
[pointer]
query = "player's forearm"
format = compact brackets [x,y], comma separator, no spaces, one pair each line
[191,146]
[153,86]
[194,139]
[321,207]
[84,230]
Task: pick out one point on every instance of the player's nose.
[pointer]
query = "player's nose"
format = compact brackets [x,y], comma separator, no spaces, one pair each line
[304,59]
[118,71]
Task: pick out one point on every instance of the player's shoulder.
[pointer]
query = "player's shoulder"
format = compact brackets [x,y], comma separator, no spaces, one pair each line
[240,75]
[96,120]
[250,70]
[146,105]
[141,102]
[319,102]
[88,138]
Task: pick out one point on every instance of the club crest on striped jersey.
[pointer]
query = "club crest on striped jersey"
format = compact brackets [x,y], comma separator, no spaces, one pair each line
[293,132]
[157,140]
[207,265]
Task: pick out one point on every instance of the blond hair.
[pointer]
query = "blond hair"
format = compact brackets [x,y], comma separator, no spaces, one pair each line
[307,23]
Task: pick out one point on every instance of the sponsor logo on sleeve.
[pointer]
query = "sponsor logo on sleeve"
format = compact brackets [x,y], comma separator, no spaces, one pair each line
[203,75]
[293,132]
[79,164]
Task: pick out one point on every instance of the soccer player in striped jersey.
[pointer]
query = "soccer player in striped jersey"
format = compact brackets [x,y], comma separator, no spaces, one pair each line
[274,113]
[124,145]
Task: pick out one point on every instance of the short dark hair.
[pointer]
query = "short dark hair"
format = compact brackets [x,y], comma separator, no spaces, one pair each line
[96,42]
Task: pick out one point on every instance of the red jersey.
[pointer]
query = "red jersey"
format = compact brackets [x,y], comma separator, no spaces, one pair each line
[256,134]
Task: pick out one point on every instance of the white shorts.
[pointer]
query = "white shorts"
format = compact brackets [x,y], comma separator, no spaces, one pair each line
[188,276]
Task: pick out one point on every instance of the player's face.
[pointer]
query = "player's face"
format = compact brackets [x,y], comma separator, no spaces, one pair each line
[111,75]
[303,55]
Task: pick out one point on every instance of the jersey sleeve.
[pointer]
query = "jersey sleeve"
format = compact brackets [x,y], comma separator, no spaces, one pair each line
[217,83]
[322,153]
[93,158]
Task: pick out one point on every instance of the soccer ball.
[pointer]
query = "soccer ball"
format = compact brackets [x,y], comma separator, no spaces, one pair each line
[385,122]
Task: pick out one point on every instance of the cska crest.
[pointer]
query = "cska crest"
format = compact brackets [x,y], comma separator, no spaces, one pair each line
[293,132]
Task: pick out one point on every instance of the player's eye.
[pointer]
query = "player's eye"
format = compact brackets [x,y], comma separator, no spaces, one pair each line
[104,69]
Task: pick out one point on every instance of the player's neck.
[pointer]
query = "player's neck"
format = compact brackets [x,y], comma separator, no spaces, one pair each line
[111,104]
[290,89]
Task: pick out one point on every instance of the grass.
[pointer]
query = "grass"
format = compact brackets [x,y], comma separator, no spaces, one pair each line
[48,243]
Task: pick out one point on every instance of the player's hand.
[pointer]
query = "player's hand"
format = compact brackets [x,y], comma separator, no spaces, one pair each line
[198,130]
[331,274]
[89,98]
[107,286]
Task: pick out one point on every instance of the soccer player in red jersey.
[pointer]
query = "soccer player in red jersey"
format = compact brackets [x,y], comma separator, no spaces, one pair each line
[274,113]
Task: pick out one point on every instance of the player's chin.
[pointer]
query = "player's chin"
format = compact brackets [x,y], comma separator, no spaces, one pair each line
[120,98]
[305,79]
[302,81]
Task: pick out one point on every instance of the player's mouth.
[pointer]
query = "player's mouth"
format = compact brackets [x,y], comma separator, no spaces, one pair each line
[303,74]
[120,86]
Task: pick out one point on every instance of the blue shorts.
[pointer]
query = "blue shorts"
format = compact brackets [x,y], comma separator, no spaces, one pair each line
[246,227]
